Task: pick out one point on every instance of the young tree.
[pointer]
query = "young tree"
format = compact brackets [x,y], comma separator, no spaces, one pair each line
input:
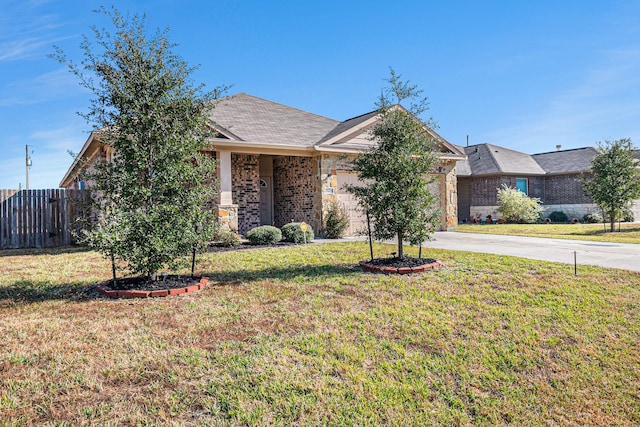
[149,196]
[516,206]
[615,178]
[397,170]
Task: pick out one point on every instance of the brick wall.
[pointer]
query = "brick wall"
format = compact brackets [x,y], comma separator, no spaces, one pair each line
[293,189]
[484,191]
[564,189]
[245,175]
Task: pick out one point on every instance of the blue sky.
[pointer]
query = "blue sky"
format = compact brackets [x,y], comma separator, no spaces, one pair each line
[523,75]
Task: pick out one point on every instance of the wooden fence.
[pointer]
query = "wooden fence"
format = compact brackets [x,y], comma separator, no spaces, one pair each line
[37,218]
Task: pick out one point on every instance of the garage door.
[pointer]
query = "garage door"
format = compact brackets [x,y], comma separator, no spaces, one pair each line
[357,218]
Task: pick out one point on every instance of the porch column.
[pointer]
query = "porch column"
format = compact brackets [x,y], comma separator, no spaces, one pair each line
[227,210]
[224,166]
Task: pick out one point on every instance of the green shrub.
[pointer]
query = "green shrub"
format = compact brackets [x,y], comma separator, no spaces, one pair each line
[627,215]
[516,206]
[228,238]
[558,216]
[336,221]
[292,233]
[264,235]
[592,218]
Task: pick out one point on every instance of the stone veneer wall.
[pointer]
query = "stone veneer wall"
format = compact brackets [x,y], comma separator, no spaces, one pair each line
[293,190]
[449,197]
[245,175]
[445,184]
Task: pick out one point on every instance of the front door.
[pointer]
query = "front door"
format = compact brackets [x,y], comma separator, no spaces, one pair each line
[266,200]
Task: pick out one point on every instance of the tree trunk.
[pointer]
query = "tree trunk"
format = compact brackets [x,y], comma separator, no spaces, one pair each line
[612,219]
[400,248]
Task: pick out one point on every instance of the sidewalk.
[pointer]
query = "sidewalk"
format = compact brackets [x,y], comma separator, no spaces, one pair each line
[604,254]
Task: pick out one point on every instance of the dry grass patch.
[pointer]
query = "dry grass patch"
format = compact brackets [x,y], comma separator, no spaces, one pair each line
[299,335]
[629,233]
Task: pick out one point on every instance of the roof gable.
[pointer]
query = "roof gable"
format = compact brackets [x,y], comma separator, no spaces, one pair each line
[353,135]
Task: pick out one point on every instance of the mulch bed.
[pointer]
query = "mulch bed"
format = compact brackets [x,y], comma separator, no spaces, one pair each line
[143,287]
[395,265]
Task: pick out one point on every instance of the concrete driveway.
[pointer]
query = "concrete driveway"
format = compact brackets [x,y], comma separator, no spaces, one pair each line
[611,255]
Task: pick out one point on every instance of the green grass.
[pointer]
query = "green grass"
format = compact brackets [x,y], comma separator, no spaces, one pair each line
[629,233]
[300,336]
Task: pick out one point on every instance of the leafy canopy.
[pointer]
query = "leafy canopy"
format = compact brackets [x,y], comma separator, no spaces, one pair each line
[151,179]
[614,181]
[398,169]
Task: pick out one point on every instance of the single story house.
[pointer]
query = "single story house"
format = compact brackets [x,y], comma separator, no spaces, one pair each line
[553,177]
[278,164]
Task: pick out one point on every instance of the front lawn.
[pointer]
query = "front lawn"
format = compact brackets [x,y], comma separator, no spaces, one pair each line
[299,335]
[629,232]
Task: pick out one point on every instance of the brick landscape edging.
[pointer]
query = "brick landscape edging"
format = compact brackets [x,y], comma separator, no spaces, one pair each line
[104,289]
[367,266]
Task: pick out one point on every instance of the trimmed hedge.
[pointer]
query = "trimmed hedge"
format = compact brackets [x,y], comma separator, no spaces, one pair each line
[292,233]
[264,235]
[228,239]
[558,216]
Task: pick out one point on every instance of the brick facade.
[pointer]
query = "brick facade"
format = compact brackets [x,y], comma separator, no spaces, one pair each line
[564,189]
[293,189]
[246,190]
[557,192]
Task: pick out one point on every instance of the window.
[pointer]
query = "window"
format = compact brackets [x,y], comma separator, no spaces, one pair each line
[522,185]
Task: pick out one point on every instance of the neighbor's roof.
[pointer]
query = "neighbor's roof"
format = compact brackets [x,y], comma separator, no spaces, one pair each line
[252,119]
[489,159]
[566,161]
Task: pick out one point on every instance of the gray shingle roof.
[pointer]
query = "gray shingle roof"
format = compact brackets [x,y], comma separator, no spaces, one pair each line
[348,124]
[255,119]
[489,159]
[566,161]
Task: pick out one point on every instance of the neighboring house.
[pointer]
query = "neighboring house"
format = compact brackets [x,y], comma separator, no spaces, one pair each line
[278,164]
[554,178]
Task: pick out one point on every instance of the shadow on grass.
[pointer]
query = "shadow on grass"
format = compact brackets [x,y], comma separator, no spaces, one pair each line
[282,273]
[44,251]
[602,231]
[28,292]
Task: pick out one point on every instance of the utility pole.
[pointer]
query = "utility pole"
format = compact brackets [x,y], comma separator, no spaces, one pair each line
[28,164]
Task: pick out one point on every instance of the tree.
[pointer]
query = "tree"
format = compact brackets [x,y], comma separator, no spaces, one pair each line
[397,169]
[149,196]
[614,180]
[516,206]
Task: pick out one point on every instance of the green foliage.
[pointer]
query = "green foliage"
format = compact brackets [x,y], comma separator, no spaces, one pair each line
[516,206]
[228,238]
[336,221]
[558,216]
[592,218]
[293,233]
[264,235]
[614,180]
[151,178]
[398,169]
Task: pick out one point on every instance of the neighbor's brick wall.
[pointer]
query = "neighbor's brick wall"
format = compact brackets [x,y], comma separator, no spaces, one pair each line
[245,174]
[564,190]
[484,190]
[293,189]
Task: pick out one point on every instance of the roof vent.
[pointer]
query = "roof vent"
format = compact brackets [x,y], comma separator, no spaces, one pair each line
[558,147]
